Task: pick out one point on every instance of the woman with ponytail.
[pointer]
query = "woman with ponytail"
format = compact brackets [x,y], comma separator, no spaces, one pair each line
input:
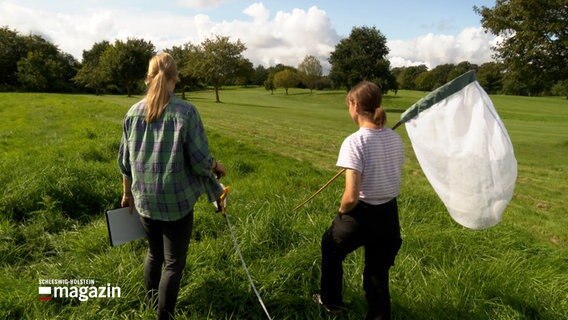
[166,165]
[368,215]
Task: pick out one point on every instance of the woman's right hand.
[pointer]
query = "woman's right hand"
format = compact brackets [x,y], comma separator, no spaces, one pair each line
[219,170]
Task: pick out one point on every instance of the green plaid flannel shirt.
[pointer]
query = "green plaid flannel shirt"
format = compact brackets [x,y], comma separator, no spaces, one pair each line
[167,160]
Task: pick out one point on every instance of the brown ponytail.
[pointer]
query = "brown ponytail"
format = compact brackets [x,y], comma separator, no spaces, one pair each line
[368,97]
[380,117]
[162,71]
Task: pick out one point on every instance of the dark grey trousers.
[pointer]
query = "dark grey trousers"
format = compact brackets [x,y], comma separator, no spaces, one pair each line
[168,242]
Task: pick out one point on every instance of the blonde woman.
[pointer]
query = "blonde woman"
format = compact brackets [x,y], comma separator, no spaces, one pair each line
[166,165]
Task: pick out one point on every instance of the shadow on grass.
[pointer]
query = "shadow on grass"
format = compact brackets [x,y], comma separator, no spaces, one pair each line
[428,311]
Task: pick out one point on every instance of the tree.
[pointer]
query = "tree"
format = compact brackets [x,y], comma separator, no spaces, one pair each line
[91,75]
[13,49]
[45,68]
[361,56]
[221,60]
[186,57]
[425,81]
[126,63]
[490,76]
[269,84]
[310,71]
[535,45]
[441,74]
[408,75]
[245,73]
[462,68]
[286,79]
[560,89]
[324,83]
[260,75]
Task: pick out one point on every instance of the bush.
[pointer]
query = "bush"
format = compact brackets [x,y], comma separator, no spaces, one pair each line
[560,89]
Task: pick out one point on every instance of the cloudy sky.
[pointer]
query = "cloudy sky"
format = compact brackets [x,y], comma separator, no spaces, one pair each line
[275,31]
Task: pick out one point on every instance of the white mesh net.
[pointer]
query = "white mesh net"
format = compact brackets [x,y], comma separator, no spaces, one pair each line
[467,156]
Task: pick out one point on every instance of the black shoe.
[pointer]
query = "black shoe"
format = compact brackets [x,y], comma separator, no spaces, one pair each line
[329,308]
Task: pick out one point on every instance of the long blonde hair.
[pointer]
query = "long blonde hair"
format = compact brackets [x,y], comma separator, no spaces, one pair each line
[368,96]
[162,71]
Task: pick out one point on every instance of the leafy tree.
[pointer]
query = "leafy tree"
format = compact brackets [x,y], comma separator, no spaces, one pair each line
[408,75]
[388,83]
[520,83]
[286,79]
[310,71]
[425,81]
[45,68]
[91,75]
[269,82]
[397,73]
[462,68]
[126,63]
[560,88]
[324,83]
[33,72]
[245,73]
[441,74]
[490,76]
[260,75]
[361,56]
[12,49]
[186,57]
[535,45]
[221,61]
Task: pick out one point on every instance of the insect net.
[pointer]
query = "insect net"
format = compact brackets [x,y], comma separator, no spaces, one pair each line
[465,153]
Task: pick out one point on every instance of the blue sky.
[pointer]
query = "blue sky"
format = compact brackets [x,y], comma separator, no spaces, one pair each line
[418,32]
[402,19]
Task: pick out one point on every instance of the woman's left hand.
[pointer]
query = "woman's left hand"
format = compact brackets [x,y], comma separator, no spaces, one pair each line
[127,201]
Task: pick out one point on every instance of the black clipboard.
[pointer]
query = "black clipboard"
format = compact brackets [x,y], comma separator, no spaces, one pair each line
[123,226]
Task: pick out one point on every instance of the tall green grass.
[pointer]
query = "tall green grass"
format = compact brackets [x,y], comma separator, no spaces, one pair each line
[58,176]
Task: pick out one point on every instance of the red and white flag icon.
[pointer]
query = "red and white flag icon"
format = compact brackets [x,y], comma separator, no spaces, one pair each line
[44,293]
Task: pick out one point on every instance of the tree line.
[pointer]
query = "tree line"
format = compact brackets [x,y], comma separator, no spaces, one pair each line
[31,63]
[490,75]
[532,60]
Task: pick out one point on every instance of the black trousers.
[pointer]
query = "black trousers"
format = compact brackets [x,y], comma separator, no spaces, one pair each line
[167,246]
[377,229]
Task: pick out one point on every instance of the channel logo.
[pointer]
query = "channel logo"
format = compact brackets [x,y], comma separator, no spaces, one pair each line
[77,289]
[44,293]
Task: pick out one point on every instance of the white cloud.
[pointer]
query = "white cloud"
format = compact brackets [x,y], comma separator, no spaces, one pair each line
[258,12]
[287,38]
[200,4]
[471,44]
[290,36]
[401,62]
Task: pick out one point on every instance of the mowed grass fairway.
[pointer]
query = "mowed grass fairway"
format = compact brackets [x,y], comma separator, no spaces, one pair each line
[58,175]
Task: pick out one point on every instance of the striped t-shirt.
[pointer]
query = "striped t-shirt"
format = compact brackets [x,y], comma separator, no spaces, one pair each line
[378,155]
